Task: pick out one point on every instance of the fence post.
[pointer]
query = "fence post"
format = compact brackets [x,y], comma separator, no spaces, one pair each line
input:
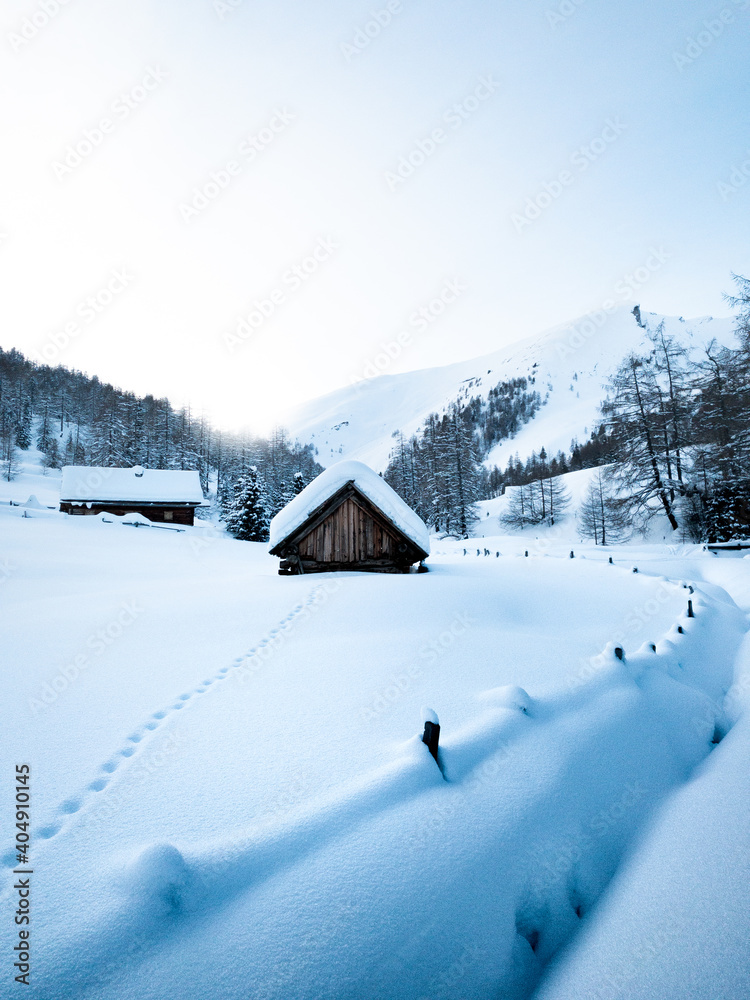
[431,734]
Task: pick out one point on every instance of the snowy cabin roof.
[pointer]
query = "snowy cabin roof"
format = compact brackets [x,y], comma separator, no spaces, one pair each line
[369,483]
[81,483]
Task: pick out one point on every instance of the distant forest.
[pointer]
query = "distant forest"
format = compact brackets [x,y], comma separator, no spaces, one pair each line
[78,420]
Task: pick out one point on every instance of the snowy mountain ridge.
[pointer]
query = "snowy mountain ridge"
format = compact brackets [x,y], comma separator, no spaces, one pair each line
[570,363]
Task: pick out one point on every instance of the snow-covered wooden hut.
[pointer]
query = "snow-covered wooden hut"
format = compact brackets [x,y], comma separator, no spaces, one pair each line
[348,519]
[161,495]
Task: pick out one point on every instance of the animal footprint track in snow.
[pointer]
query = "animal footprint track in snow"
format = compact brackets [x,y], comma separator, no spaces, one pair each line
[70,806]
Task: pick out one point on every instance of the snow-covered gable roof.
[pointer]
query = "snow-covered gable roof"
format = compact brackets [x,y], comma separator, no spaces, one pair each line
[368,483]
[82,483]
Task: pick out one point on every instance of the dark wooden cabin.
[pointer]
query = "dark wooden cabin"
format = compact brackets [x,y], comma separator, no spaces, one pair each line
[164,496]
[349,531]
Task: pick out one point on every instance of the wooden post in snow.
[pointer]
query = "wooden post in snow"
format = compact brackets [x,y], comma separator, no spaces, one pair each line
[431,734]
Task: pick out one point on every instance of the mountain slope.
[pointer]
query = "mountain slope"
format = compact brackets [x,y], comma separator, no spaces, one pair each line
[571,364]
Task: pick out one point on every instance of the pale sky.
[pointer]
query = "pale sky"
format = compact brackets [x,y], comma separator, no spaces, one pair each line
[190,163]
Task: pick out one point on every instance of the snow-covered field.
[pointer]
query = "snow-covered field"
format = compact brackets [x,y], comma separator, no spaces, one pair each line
[230,798]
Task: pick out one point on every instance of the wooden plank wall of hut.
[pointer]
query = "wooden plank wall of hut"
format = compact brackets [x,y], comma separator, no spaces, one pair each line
[348,535]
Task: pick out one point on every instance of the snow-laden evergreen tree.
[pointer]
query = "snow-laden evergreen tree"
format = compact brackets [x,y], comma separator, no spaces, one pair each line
[248,515]
[133,432]
[108,437]
[460,474]
[52,458]
[601,515]
[9,462]
[402,473]
[70,448]
[44,431]
[23,426]
[721,461]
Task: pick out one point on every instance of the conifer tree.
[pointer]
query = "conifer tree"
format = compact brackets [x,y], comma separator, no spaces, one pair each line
[23,427]
[44,435]
[52,455]
[248,516]
[108,437]
[460,473]
[8,451]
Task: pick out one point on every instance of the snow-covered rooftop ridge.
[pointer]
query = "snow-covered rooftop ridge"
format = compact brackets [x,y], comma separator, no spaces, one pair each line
[88,483]
[368,483]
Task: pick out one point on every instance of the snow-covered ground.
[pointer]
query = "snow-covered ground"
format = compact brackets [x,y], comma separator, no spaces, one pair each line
[230,798]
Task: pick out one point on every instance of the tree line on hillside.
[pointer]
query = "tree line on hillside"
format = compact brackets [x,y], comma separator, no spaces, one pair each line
[675,430]
[74,419]
[599,449]
[439,470]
